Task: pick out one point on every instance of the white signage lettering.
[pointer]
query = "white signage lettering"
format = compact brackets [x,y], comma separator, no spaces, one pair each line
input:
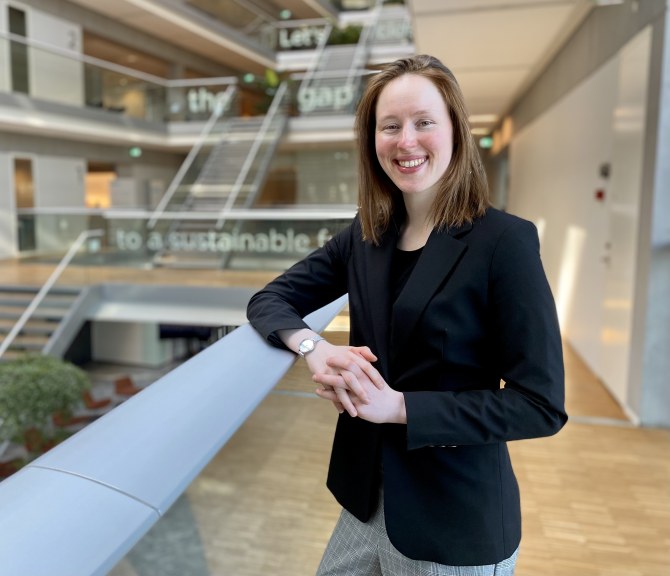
[328,97]
[301,38]
[273,242]
[203,101]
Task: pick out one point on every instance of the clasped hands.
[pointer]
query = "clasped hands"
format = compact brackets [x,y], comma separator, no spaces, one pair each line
[350,381]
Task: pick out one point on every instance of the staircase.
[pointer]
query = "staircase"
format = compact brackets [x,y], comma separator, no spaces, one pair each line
[228,176]
[230,173]
[219,174]
[43,322]
[332,85]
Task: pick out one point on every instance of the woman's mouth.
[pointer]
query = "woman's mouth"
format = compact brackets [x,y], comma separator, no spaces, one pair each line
[411,163]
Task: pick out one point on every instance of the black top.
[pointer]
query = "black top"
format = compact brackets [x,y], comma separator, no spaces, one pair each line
[402,266]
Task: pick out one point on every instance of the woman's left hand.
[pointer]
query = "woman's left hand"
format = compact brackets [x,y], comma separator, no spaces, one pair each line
[383,405]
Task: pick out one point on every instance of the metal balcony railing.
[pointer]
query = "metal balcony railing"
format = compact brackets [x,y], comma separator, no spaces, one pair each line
[79,508]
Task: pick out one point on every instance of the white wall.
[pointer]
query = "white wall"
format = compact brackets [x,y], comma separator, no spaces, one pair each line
[55,77]
[51,76]
[554,175]
[588,245]
[59,183]
[129,343]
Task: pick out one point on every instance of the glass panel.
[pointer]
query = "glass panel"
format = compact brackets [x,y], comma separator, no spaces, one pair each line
[325,93]
[270,242]
[235,244]
[114,88]
[26,233]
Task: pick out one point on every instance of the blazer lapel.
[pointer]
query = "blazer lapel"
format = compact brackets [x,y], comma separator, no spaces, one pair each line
[439,257]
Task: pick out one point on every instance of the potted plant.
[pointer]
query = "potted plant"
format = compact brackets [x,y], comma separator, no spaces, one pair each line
[34,389]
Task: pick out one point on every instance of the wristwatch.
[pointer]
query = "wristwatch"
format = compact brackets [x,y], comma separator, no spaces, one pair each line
[307,345]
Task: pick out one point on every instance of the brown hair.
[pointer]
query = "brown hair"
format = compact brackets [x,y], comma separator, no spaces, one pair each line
[463,188]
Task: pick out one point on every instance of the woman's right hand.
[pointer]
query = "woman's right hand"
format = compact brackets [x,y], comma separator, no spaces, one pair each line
[354,374]
[354,371]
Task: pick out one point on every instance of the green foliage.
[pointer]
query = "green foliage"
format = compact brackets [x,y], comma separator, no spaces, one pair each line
[348,35]
[32,389]
[271,78]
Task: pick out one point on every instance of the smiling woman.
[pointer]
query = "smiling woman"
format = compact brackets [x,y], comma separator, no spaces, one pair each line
[447,298]
[413,113]
[414,144]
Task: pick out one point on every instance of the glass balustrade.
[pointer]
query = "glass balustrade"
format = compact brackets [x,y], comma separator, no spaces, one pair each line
[244,240]
[61,76]
[65,77]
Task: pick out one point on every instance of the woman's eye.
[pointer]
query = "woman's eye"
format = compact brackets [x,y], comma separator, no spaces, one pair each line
[424,123]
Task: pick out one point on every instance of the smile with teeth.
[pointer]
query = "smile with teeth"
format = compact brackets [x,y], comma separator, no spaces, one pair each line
[411,163]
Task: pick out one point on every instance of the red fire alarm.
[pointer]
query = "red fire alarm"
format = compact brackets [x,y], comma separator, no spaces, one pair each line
[599,195]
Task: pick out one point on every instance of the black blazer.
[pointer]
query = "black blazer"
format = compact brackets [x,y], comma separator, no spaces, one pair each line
[476,310]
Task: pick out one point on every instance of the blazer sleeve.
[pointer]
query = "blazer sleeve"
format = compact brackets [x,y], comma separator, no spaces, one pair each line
[308,285]
[526,352]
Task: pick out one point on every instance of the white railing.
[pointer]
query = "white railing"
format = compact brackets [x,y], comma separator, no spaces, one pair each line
[117,68]
[81,507]
[299,212]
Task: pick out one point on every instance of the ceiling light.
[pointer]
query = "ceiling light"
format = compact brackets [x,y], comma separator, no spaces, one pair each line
[482,118]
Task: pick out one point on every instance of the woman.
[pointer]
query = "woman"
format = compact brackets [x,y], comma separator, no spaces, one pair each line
[447,299]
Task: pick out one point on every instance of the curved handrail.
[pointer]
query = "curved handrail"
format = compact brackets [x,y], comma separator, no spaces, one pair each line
[44,290]
[83,505]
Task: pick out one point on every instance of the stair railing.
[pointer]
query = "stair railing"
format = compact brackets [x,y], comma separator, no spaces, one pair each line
[46,287]
[273,111]
[364,41]
[318,54]
[220,109]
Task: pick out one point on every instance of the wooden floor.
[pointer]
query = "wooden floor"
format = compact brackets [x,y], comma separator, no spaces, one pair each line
[595,497]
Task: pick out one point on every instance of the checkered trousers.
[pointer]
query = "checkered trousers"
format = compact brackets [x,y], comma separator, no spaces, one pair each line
[363,549]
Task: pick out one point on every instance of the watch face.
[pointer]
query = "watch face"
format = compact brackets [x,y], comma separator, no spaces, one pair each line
[306,346]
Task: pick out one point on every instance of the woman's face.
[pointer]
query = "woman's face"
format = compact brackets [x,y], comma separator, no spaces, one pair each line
[413,134]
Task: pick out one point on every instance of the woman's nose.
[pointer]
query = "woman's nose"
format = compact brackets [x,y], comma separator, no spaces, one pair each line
[407,137]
